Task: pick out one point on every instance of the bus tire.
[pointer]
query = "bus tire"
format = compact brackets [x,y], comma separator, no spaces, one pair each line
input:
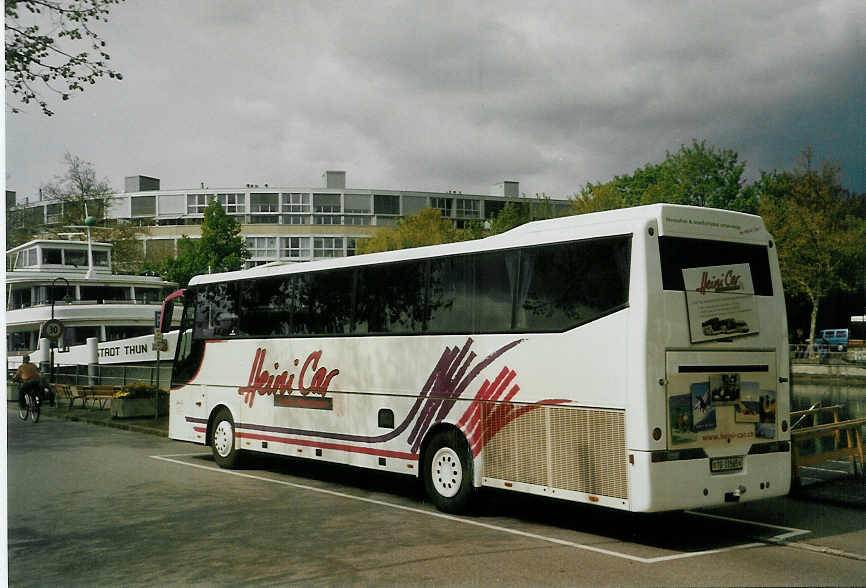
[447,471]
[222,440]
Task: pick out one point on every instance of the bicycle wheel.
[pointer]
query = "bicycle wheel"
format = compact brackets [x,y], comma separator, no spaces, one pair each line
[23,409]
[34,407]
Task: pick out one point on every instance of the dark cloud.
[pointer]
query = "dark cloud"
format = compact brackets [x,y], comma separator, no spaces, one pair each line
[455,95]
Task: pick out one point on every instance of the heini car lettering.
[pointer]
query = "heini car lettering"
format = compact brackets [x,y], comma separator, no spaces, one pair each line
[727,282]
[261,381]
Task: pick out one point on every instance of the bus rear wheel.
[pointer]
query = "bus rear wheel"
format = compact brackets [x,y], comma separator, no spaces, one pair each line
[222,440]
[447,471]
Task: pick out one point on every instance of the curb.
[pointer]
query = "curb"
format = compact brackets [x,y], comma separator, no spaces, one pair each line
[61,415]
[115,425]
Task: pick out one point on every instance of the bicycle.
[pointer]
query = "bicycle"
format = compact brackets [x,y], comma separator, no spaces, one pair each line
[30,408]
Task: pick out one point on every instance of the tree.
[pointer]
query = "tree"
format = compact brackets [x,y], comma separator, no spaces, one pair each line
[127,253]
[220,249]
[221,246]
[428,227]
[35,59]
[597,197]
[514,214]
[186,264]
[698,175]
[79,192]
[818,238]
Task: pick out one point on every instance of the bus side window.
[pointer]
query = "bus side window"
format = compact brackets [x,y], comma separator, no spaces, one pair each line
[562,286]
[450,299]
[216,315]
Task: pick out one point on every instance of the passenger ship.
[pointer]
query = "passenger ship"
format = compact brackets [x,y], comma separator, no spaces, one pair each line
[71,281]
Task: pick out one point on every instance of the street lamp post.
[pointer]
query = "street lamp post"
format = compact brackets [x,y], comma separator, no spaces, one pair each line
[65,298]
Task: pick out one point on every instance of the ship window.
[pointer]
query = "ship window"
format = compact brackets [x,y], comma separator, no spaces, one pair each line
[76,257]
[100,258]
[52,256]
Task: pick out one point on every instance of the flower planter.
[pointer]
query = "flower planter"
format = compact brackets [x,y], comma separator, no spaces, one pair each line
[127,408]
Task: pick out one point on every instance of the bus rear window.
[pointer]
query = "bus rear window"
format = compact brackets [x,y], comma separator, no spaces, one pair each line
[678,253]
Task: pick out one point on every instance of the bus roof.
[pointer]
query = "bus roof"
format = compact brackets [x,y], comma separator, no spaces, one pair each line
[671,219]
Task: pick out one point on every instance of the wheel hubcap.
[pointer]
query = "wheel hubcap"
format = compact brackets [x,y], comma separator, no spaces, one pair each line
[447,472]
[223,439]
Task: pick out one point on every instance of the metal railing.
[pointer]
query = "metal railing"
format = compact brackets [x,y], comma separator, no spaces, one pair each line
[827,354]
[114,375]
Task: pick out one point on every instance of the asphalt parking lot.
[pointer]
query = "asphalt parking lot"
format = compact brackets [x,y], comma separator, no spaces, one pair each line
[121,507]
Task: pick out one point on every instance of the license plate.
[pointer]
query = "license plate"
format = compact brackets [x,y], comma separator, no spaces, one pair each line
[726,464]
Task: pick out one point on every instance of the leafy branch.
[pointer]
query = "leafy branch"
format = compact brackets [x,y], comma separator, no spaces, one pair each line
[35,60]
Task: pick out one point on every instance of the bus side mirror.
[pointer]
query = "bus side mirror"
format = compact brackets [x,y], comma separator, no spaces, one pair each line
[167,311]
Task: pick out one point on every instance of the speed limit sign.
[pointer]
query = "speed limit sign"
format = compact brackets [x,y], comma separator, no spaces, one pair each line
[52,329]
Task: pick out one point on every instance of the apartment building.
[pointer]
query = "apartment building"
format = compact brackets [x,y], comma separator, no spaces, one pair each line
[287,223]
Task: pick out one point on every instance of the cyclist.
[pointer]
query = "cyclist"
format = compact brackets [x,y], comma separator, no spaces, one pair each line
[30,378]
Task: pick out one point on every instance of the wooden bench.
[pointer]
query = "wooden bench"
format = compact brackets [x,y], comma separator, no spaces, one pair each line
[853,435]
[69,393]
[101,394]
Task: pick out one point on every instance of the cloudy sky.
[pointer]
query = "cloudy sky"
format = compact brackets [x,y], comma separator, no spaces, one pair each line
[462,95]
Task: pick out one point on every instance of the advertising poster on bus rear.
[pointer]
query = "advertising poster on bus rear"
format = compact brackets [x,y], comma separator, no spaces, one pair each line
[720,301]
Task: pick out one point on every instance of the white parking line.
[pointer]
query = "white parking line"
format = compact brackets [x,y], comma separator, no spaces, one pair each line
[828,470]
[647,560]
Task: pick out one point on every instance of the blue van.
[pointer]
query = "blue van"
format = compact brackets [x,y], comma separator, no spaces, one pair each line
[835,338]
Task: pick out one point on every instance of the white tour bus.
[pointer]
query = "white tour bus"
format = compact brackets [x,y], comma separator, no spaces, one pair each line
[635,359]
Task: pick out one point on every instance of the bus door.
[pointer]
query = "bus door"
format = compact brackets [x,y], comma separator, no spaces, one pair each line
[188,410]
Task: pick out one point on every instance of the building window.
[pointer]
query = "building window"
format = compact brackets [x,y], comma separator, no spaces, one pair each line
[442,204]
[326,203]
[54,213]
[328,247]
[295,247]
[493,208]
[468,208]
[264,202]
[386,204]
[262,247]
[143,205]
[357,203]
[231,203]
[196,203]
[414,204]
[322,219]
[296,219]
[355,219]
[351,246]
[295,202]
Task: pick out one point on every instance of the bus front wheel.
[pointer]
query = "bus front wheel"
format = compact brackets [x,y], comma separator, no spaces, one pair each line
[222,440]
[447,472]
